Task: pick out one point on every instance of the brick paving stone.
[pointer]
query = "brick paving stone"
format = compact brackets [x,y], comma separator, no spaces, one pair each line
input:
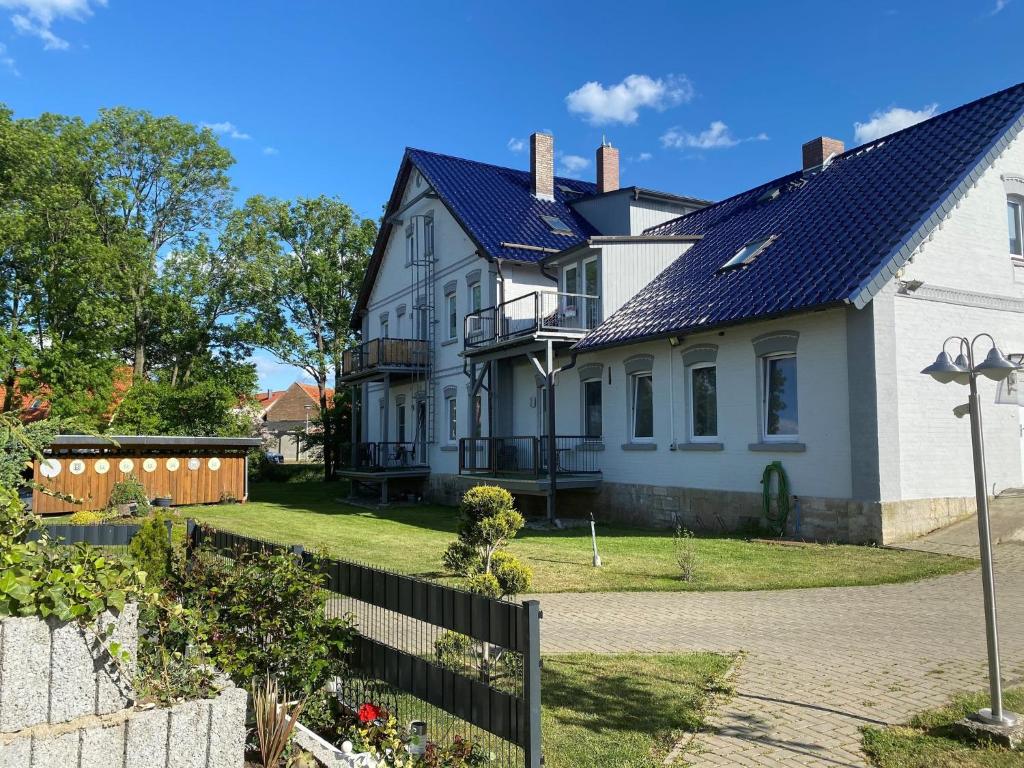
[819,663]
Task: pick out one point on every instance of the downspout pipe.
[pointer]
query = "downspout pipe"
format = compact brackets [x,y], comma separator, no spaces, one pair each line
[552,440]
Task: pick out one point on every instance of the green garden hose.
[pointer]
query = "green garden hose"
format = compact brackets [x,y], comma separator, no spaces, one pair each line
[776,523]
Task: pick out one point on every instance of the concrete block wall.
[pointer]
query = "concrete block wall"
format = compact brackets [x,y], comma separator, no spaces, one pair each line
[53,673]
[209,733]
[64,702]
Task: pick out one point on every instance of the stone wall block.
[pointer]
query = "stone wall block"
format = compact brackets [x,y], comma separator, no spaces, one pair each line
[103,747]
[146,740]
[113,684]
[190,735]
[227,729]
[24,673]
[17,754]
[73,665]
[55,751]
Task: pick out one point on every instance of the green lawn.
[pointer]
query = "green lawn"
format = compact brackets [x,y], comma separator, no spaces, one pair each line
[625,711]
[928,743]
[411,540]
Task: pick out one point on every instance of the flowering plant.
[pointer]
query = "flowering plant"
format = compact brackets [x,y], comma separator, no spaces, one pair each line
[368,713]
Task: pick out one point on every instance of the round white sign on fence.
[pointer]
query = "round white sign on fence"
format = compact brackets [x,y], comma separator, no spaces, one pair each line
[126,465]
[194,463]
[102,466]
[149,465]
[173,465]
[213,464]
[49,468]
[76,467]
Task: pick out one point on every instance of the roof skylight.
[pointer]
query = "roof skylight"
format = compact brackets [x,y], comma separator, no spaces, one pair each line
[558,226]
[749,252]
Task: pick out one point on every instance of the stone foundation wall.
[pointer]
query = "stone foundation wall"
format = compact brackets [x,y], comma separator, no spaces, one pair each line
[65,702]
[820,519]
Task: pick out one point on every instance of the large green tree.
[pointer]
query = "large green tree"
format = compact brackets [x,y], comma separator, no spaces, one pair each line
[314,274]
[58,308]
[157,183]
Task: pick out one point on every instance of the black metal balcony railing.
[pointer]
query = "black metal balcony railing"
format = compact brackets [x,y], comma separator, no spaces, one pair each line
[385,353]
[383,456]
[540,311]
[527,456]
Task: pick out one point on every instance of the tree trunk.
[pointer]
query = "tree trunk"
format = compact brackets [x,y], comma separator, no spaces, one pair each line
[325,420]
[139,367]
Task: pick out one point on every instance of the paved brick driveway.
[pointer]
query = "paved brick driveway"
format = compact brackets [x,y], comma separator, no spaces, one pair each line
[818,663]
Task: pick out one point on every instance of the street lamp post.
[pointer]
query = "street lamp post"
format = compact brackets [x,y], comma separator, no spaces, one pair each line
[963,370]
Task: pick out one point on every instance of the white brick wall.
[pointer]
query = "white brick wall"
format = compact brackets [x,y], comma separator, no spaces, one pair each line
[970,253]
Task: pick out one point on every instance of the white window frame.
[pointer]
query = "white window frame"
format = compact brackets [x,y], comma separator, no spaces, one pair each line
[384,325]
[691,406]
[475,299]
[634,391]
[1018,202]
[410,244]
[583,409]
[400,433]
[451,306]
[765,385]
[428,235]
[451,415]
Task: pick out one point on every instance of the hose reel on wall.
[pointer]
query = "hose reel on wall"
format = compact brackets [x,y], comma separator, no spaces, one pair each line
[777,521]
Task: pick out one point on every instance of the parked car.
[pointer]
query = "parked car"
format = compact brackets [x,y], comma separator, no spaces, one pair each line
[274,458]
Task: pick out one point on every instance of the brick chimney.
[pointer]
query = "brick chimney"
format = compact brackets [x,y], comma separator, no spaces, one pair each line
[607,167]
[817,151]
[542,166]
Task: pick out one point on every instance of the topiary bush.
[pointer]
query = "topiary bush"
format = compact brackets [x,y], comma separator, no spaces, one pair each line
[130,490]
[488,520]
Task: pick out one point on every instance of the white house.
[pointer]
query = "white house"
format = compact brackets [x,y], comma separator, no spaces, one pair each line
[688,345]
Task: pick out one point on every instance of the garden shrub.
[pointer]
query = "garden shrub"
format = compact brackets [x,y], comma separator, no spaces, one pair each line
[86,517]
[685,552]
[151,548]
[128,490]
[267,618]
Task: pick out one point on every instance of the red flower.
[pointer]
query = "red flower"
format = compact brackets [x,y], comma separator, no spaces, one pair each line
[368,713]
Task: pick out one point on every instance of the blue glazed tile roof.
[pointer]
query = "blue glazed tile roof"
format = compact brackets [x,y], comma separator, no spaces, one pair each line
[495,205]
[840,232]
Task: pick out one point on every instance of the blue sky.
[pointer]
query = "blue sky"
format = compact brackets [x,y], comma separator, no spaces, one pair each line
[704,99]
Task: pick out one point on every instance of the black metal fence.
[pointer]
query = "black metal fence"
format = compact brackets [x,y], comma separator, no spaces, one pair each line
[527,456]
[465,664]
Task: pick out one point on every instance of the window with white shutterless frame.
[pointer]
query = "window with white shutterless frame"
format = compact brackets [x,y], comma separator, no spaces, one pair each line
[700,382]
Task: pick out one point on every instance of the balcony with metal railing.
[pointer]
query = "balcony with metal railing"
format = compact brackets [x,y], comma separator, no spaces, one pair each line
[520,463]
[379,356]
[537,315]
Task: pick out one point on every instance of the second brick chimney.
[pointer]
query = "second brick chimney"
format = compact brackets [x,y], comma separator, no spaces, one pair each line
[607,168]
[817,151]
[542,166]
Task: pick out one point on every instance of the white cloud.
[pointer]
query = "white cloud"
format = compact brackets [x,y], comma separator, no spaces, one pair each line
[621,103]
[270,150]
[571,165]
[715,136]
[894,119]
[8,61]
[225,129]
[36,17]
[516,145]
[999,6]
[643,157]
